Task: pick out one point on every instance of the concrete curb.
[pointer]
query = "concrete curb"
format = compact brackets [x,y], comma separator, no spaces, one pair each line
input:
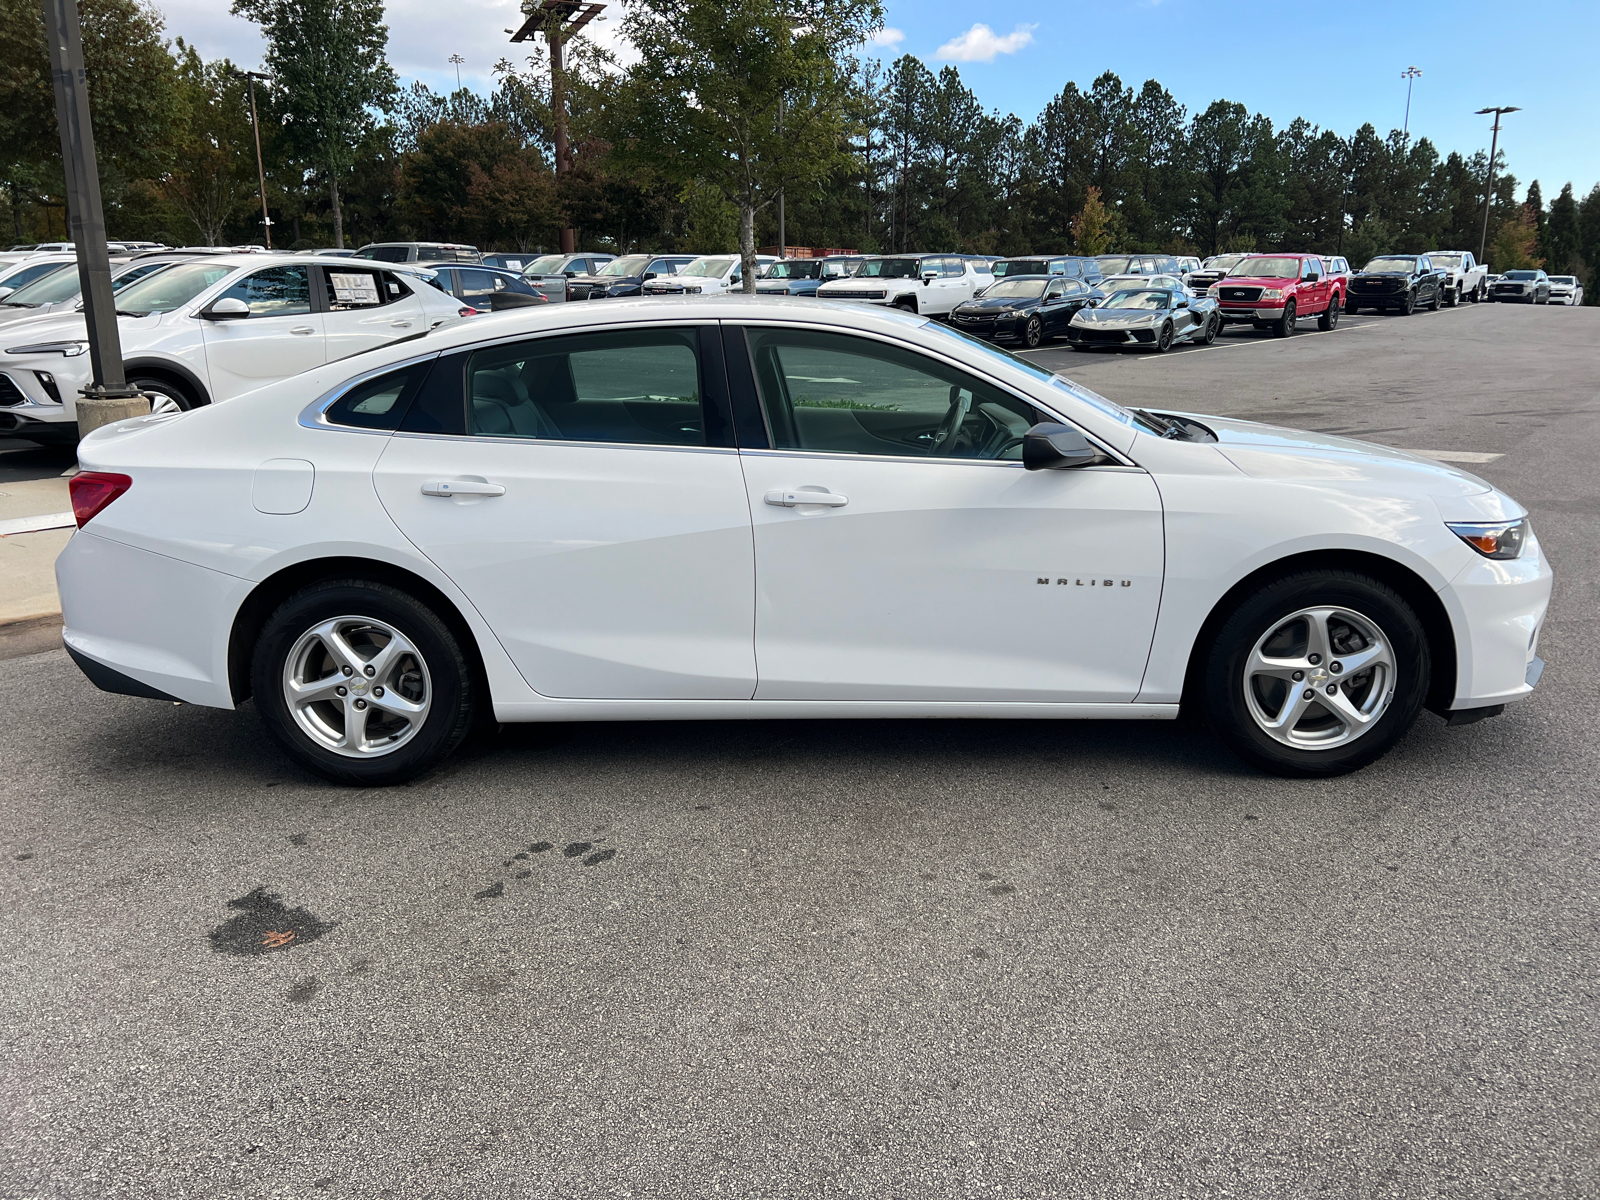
[30,635]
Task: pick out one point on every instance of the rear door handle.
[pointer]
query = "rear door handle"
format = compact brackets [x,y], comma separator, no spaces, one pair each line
[302,330]
[787,499]
[462,487]
[401,324]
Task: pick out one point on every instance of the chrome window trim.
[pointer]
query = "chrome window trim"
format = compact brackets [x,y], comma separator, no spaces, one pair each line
[315,414]
[874,335]
[475,438]
[1009,463]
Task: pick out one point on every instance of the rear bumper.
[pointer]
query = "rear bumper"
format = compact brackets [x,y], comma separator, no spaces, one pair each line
[146,621]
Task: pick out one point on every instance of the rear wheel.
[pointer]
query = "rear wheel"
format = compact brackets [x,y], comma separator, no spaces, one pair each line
[362,683]
[1317,674]
[1284,325]
[1330,315]
[1213,327]
[1438,299]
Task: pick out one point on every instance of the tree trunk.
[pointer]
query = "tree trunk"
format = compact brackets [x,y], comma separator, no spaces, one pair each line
[747,244]
[338,214]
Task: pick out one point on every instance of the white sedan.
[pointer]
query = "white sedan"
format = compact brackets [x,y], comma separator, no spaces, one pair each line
[212,328]
[734,508]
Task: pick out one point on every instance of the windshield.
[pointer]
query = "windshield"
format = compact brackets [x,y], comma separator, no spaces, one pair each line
[61,284]
[1222,262]
[170,289]
[1022,266]
[804,268]
[1567,279]
[1392,264]
[889,268]
[633,264]
[838,270]
[1267,268]
[1522,274]
[1149,300]
[544,266]
[1113,264]
[1450,261]
[1028,287]
[709,268]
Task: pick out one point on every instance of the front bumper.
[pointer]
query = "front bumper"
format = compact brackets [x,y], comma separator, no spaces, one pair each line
[1237,313]
[1089,335]
[1004,328]
[1498,610]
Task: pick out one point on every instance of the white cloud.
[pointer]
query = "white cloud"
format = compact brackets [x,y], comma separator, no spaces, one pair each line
[981,44]
[888,37]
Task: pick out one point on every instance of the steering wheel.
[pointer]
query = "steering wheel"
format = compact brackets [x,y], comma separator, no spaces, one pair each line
[944,438]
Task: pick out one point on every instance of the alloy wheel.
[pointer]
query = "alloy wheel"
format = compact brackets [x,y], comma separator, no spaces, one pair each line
[1319,678]
[357,686]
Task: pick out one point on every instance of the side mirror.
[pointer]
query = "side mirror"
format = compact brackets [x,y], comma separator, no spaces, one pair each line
[651,274]
[927,275]
[1308,279]
[1052,447]
[5,291]
[229,308]
[1180,304]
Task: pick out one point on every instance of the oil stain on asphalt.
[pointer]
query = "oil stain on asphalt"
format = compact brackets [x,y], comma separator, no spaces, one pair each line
[264,926]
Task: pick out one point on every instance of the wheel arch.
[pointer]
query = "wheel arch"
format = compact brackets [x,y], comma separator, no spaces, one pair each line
[173,372]
[1424,601]
[272,591]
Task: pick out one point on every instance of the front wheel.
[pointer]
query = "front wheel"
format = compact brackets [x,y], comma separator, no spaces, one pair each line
[1330,316]
[164,397]
[1409,305]
[1452,297]
[1317,674]
[1033,333]
[362,683]
[1164,339]
[1284,325]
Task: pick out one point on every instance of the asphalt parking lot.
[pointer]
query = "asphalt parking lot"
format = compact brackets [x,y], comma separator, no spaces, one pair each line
[824,959]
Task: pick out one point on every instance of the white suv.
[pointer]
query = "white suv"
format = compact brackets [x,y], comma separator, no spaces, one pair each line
[929,284]
[212,329]
[708,275]
[1565,289]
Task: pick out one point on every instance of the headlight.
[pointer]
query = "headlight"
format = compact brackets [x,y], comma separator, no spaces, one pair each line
[1213,290]
[1504,539]
[1272,294]
[65,349]
[693,291]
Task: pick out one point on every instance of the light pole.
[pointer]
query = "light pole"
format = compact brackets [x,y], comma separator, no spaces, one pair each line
[1488,187]
[458,60]
[1409,75]
[261,171]
[86,222]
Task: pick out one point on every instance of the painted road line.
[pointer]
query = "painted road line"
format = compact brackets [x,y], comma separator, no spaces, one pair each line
[38,524]
[1457,456]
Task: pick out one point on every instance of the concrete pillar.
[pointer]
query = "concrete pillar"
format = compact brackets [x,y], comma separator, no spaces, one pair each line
[94,413]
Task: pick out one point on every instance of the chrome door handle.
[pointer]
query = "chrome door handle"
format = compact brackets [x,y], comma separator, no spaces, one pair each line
[401,324]
[788,499]
[302,330]
[462,487]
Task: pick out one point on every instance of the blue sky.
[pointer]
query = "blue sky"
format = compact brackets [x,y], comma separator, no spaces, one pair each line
[1336,64]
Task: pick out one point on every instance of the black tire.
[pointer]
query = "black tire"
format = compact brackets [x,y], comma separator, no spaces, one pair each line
[1223,695]
[1437,301]
[165,395]
[1409,306]
[1284,325]
[1164,339]
[1329,319]
[1213,328]
[1452,296]
[1033,333]
[454,688]
[909,304]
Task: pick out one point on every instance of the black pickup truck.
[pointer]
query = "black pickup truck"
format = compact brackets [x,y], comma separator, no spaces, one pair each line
[1399,283]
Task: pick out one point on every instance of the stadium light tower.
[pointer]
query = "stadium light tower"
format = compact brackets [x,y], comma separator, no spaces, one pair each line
[1410,75]
[1488,187]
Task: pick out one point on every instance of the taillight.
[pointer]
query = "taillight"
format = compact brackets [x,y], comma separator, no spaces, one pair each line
[92,491]
[467,311]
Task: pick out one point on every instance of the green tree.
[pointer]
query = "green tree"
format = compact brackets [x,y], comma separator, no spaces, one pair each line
[133,103]
[213,174]
[750,97]
[329,73]
[1094,229]
[1561,233]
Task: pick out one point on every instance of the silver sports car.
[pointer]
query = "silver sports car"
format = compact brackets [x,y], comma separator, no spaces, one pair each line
[1153,318]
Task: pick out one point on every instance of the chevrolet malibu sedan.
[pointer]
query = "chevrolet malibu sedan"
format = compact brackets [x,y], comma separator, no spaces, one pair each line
[1029,309]
[737,508]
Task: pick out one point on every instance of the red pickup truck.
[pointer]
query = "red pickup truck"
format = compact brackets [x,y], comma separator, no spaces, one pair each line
[1273,291]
